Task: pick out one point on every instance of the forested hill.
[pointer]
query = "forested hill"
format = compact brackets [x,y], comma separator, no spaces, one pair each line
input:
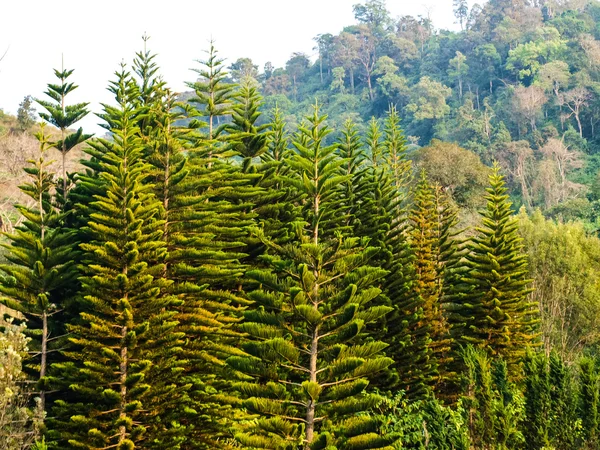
[519,84]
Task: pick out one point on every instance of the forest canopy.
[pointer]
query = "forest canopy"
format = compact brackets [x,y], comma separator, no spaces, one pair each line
[394,246]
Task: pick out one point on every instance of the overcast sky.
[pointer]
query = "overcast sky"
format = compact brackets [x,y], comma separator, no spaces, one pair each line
[95,36]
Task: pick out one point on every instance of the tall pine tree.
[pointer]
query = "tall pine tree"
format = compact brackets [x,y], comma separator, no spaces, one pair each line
[125,341]
[305,370]
[64,116]
[40,265]
[493,310]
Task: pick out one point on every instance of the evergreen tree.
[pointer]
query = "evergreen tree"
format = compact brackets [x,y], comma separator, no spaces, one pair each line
[249,140]
[537,401]
[40,265]
[350,149]
[394,151]
[306,373]
[63,117]
[125,341]
[212,99]
[490,402]
[217,204]
[493,305]
[588,400]
[431,239]
[564,424]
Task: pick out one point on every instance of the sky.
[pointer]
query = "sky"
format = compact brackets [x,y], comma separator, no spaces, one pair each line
[94,37]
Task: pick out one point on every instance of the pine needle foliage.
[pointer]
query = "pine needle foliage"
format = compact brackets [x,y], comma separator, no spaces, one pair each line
[493,304]
[249,140]
[350,149]
[213,96]
[305,370]
[195,263]
[63,117]
[431,241]
[126,341]
[40,266]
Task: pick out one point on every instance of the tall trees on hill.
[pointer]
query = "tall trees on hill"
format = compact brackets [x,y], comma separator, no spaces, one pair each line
[226,288]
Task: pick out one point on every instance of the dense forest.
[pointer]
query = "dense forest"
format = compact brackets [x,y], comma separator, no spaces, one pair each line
[392,247]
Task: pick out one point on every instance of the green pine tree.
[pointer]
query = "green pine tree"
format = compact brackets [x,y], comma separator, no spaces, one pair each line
[305,371]
[493,307]
[537,401]
[588,400]
[432,241]
[249,140]
[125,346]
[64,116]
[564,425]
[40,266]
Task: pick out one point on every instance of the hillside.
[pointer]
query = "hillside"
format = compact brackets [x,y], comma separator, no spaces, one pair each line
[519,84]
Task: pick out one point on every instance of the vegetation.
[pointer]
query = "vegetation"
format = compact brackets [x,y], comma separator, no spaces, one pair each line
[225,270]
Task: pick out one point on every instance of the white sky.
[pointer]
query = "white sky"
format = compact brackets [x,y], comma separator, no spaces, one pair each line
[96,35]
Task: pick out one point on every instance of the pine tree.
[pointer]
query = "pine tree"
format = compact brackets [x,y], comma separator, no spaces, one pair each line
[588,400]
[306,373]
[563,424]
[212,100]
[493,305]
[537,401]
[432,241]
[490,402]
[63,117]
[40,266]
[124,345]
[216,204]
[350,149]
[394,151]
[249,140]
[407,338]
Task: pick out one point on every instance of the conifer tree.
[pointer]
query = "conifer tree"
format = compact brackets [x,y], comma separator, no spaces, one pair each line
[376,197]
[490,402]
[40,265]
[249,140]
[564,426]
[64,116]
[217,202]
[196,263]
[493,305]
[537,401]
[407,338]
[431,239]
[306,373]
[588,400]
[125,341]
[394,151]
[350,149]
[212,100]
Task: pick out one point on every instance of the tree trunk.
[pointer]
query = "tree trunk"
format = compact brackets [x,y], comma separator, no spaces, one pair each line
[321,67]
[371,96]
[43,365]
[122,382]
[352,80]
[64,172]
[310,410]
